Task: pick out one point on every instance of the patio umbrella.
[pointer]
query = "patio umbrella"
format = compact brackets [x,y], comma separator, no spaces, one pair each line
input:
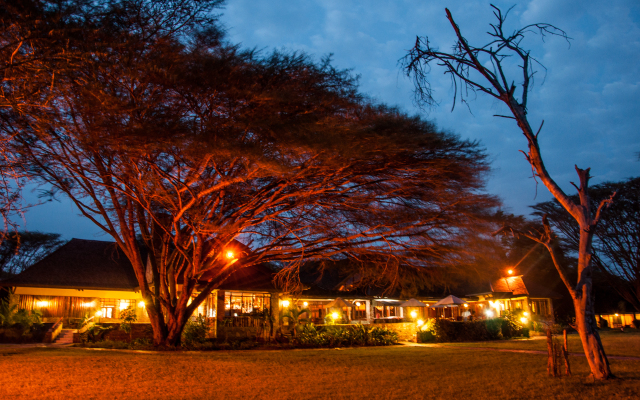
[449,301]
[339,303]
[413,303]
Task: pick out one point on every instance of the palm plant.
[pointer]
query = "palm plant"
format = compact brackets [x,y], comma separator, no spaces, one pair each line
[293,314]
[7,311]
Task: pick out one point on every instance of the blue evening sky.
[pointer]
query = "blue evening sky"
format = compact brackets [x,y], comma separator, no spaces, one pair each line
[589,98]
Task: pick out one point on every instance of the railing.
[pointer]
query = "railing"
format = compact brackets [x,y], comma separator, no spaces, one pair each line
[53,332]
[242,322]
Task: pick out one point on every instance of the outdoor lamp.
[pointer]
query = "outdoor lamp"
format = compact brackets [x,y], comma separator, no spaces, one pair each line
[526,314]
[510,272]
[414,314]
[305,304]
[335,315]
[98,313]
[141,304]
[466,305]
[229,254]
[285,303]
[523,320]
[489,313]
[420,322]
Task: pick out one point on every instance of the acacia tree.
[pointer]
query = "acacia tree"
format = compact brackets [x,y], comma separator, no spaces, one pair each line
[20,250]
[485,69]
[201,148]
[616,242]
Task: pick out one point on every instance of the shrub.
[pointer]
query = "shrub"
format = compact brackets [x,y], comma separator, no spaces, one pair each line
[468,331]
[128,316]
[351,335]
[426,336]
[494,328]
[195,332]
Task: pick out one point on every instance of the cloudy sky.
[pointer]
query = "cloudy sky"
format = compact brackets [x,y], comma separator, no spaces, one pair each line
[589,97]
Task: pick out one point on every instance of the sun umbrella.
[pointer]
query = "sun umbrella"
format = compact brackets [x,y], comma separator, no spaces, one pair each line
[339,303]
[449,301]
[413,303]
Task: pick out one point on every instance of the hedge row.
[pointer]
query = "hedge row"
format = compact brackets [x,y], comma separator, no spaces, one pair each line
[471,331]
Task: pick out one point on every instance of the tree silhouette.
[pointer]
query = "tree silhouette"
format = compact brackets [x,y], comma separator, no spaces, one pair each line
[221,159]
[485,69]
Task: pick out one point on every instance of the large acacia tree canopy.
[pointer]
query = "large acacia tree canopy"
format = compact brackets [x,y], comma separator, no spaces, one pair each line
[158,127]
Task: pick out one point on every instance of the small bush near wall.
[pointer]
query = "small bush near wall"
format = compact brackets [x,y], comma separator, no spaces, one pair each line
[345,335]
[471,331]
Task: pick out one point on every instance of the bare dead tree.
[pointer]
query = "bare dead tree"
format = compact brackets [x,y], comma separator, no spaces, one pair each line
[485,69]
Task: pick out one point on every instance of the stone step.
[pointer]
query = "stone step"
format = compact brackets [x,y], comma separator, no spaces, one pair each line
[65,336]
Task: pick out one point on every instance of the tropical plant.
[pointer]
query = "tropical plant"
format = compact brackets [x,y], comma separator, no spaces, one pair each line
[7,310]
[96,332]
[128,317]
[293,314]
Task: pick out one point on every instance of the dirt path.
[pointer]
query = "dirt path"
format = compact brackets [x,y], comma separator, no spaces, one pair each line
[509,350]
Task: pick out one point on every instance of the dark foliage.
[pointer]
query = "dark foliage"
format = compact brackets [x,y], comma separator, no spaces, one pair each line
[22,249]
[616,242]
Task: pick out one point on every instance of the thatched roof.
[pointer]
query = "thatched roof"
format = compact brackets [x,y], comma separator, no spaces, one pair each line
[80,264]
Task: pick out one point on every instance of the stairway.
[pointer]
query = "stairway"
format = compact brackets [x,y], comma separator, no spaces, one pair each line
[65,337]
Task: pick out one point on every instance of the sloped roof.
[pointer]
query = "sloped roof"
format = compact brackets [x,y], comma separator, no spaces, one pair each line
[80,264]
[521,285]
[254,277]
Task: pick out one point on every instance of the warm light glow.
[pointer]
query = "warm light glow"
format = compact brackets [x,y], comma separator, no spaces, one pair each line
[88,305]
[616,314]
[124,304]
[335,315]
[305,304]
[420,322]
[491,303]
[285,303]
[489,313]
[466,305]
[523,320]
[357,304]
[45,303]
[414,314]
[229,254]
[496,304]
[141,304]
[510,272]
[235,314]
[526,314]
[98,313]
[481,305]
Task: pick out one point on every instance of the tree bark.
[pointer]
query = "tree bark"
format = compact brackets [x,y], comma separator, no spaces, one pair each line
[565,353]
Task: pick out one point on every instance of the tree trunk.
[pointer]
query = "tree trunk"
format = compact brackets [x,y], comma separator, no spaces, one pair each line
[565,354]
[593,350]
[585,312]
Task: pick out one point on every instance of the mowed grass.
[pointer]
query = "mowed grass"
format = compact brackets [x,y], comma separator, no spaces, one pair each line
[616,343]
[398,372]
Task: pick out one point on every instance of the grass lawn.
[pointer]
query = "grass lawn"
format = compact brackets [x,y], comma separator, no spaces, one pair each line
[616,343]
[398,372]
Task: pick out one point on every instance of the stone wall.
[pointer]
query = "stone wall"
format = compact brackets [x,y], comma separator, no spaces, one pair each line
[138,331]
[406,330]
